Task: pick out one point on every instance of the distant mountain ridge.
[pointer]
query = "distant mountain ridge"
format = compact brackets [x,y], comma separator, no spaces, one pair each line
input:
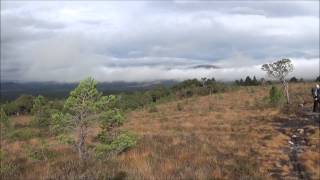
[12,90]
[206,66]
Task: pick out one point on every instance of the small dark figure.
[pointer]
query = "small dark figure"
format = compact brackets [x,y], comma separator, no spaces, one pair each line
[316,98]
[154,98]
[318,94]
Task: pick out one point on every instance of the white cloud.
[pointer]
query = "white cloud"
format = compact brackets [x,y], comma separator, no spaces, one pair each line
[162,72]
[144,41]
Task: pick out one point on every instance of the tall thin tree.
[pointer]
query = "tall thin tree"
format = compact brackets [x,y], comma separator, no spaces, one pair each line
[280,70]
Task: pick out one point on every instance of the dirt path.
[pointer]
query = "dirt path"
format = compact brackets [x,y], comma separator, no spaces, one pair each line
[297,144]
[297,130]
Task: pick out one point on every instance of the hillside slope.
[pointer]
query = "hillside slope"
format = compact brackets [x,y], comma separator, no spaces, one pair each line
[233,135]
[226,136]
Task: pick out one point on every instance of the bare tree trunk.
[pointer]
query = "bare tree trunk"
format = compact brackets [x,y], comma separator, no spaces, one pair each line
[82,134]
[286,90]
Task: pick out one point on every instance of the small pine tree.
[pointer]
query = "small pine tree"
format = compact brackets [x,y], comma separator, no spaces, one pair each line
[248,81]
[255,81]
[40,109]
[24,103]
[293,80]
[81,104]
[109,120]
[241,82]
[84,102]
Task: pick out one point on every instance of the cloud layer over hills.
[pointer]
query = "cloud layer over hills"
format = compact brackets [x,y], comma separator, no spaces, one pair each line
[146,41]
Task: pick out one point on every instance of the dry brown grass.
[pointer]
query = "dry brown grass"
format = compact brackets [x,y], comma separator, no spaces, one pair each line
[224,136]
[212,137]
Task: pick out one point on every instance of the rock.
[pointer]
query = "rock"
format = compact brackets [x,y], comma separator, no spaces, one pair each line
[294,136]
[290,142]
[300,131]
[278,165]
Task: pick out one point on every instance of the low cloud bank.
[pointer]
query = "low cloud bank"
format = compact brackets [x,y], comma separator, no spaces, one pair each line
[307,69]
[304,68]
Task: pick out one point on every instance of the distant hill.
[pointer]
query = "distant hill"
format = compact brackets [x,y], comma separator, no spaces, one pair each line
[12,90]
[206,66]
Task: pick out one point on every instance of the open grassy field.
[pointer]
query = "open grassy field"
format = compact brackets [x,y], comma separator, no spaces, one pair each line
[232,135]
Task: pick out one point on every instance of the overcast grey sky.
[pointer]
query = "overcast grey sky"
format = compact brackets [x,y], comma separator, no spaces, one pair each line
[145,40]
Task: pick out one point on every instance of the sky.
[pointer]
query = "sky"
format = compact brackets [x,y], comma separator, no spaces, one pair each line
[155,40]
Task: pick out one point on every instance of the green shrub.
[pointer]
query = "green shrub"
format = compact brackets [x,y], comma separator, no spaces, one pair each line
[121,143]
[10,108]
[4,119]
[158,92]
[65,139]
[109,120]
[42,118]
[41,112]
[60,123]
[275,95]
[24,103]
[133,101]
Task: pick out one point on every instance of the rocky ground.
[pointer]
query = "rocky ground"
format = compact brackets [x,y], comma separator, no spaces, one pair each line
[300,131]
